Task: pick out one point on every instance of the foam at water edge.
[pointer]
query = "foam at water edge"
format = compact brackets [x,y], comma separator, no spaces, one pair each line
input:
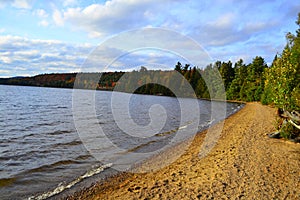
[182,127]
[206,124]
[61,187]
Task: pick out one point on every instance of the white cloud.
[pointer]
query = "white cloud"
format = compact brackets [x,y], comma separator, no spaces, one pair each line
[224,21]
[40,13]
[259,25]
[5,73]
[39,56]
[58,18]
[27,54]
[2,30]
[43,23]
[114,16]
[6,60]
[50,56]
[210,25]
[22,4]
[70,3]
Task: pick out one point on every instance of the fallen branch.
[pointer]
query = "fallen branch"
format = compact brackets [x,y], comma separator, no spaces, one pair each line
[297,126]
[294,115]
[288,117]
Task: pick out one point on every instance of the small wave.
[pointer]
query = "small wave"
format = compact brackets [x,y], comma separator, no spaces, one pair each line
[206,124]
[29,135]
[60,188]
[166,133]
[45,124]
[210,122]
[63,162]
[72,143]
[83,157]
[75,142]
[59,132]
[6,181]
[61,107]
[6,141]
[53,165]
[182,127]
[140,146]
[22,156]
[42,124]
[172,131]
[4,145]
[159,135]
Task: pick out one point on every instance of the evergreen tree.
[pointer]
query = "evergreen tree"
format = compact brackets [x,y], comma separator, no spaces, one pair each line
[178,67]
[227,73]
[240,74]
[253,86]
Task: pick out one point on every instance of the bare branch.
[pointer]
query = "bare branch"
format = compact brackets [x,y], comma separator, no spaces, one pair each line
[297,126]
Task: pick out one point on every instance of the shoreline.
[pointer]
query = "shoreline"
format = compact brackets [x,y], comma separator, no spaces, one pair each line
[245,163]
[112,90]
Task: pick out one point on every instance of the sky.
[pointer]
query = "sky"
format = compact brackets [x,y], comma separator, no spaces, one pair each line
[41,36]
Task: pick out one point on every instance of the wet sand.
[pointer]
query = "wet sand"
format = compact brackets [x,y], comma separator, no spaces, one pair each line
[244,164]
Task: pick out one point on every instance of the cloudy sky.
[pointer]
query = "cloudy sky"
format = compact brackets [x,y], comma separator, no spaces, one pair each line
[40,36]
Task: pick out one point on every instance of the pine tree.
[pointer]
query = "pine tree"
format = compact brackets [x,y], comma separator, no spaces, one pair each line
[240,74]
[253,86]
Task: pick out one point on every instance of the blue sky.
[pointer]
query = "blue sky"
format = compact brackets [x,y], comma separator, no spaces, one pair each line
[39,36]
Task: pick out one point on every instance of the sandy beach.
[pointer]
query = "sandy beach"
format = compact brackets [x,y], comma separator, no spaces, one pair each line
[244,164]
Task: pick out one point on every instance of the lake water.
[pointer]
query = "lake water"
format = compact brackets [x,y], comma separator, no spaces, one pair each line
[42,153]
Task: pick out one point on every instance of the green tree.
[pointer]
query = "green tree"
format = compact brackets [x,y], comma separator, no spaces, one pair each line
[283,78]
[214,82]
[282,81]
[178,67]
[240,74]
[254,84]
[227,73]
[201,89]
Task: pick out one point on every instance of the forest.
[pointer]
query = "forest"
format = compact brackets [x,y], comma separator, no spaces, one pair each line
[277,85]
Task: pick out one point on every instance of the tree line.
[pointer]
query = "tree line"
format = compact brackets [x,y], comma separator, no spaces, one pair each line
[107,80]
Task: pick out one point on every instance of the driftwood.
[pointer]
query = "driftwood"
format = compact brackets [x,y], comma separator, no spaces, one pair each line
[291,117]
[275,135]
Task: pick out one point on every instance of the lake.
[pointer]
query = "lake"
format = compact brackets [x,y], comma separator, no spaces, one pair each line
[44,149]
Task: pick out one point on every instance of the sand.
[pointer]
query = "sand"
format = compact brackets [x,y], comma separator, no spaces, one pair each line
[244,164]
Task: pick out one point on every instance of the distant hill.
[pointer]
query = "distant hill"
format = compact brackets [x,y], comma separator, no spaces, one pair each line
[65,80]
[133,82]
